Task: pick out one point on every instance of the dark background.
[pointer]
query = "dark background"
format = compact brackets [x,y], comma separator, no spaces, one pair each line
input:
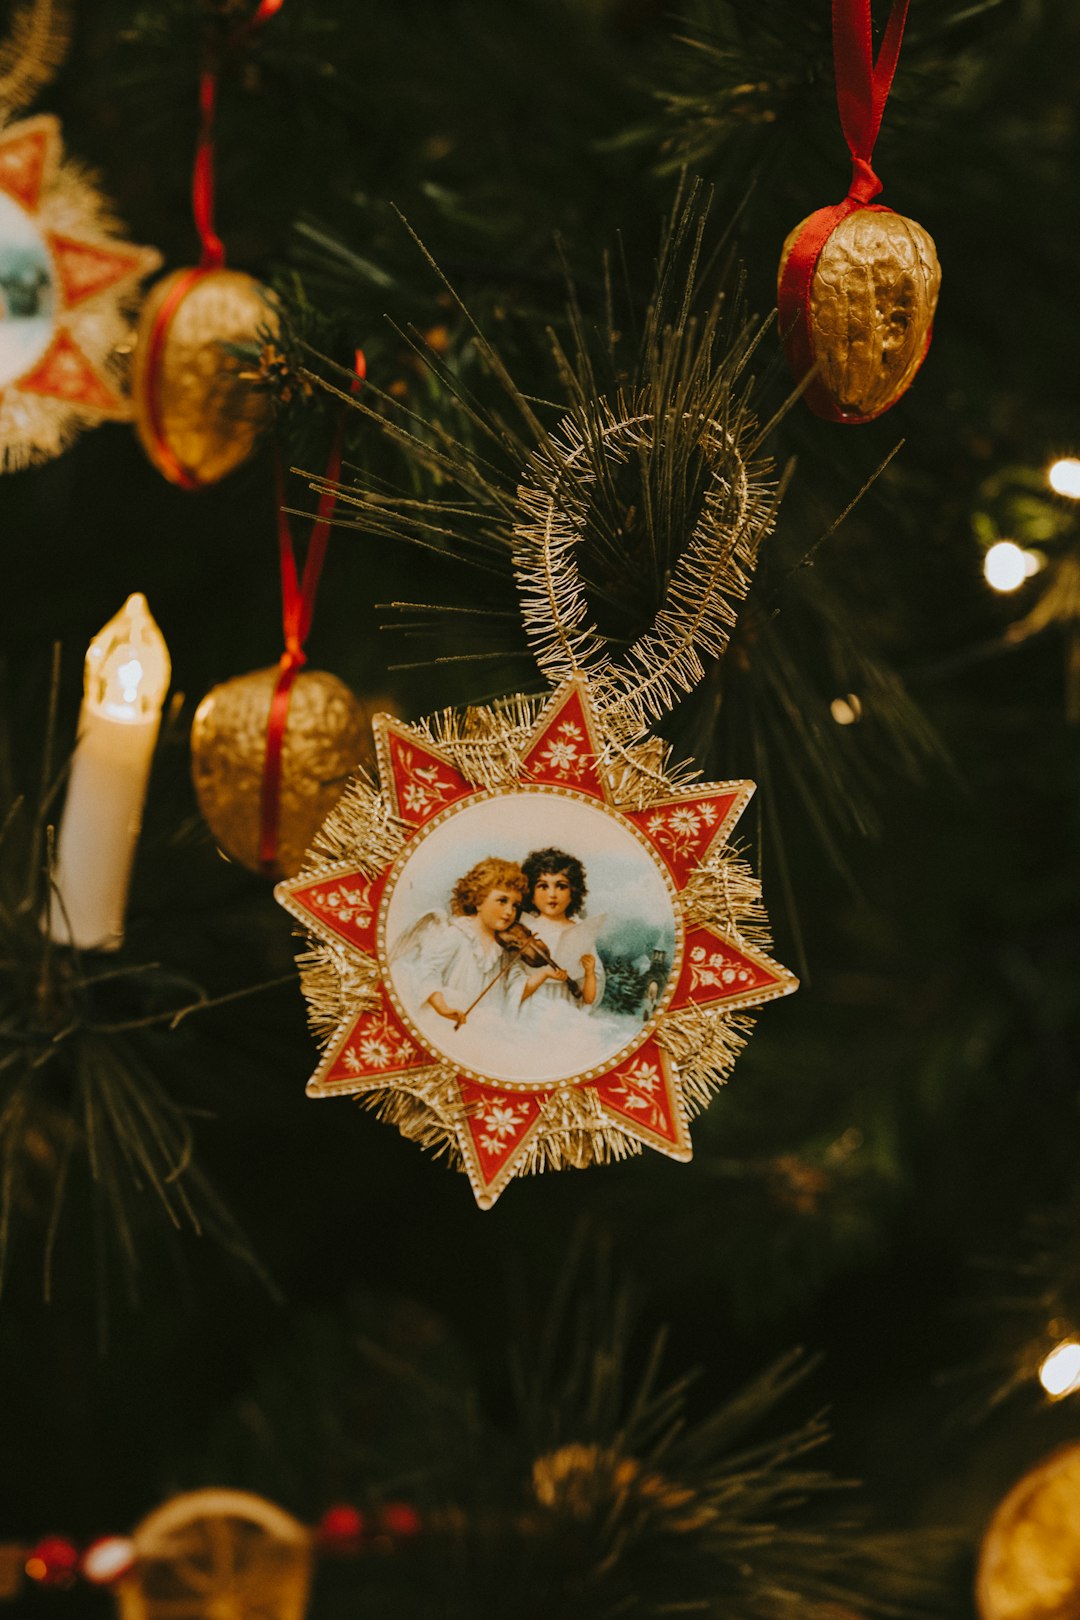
[890,1128]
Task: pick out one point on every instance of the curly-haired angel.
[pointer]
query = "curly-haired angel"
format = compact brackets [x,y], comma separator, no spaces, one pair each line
[553,909]
[448,960]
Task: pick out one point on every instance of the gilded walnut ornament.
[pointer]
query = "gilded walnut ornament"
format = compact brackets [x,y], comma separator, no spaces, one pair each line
[326,736]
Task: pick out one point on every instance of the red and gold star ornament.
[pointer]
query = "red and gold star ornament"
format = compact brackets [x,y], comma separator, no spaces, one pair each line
[67,283]
[533,945]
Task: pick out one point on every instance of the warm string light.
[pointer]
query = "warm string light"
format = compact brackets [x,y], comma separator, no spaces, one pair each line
[1059,1374]
[1064,477]
[846,710]
[1006,566]
[343,1532]
[107,1560]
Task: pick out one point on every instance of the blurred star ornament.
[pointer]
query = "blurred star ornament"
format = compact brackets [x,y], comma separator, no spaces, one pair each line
[1029,1565]
[198,411]
[858,284]
[67,284]
[326,734]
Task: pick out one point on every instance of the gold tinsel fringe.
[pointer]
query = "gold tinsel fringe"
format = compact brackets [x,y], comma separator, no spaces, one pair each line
[33,52]
[711,576]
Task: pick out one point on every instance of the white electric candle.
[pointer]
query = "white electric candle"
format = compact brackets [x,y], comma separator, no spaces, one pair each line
[126,677]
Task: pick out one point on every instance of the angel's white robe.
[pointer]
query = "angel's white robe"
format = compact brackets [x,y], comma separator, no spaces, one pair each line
[568,942]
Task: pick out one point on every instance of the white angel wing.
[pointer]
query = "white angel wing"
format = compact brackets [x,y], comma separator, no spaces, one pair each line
[412,940]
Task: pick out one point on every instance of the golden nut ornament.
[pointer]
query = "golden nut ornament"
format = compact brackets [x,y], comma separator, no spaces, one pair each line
[326,735]
[1029,1566]
[197,415]
[867,314]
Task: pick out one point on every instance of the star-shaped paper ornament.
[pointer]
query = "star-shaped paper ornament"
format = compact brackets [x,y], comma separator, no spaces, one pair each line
[67,281]
[534,946]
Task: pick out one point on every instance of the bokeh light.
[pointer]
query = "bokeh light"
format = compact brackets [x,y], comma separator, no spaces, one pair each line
[1005,566]
[846,710]
[1064,477]
[1060,1373]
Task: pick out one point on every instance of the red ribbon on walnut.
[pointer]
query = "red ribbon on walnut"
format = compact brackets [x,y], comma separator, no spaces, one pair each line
[862,89]
[298,593]
[212,255]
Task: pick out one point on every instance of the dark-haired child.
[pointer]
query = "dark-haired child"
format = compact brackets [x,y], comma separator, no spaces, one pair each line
[554,900]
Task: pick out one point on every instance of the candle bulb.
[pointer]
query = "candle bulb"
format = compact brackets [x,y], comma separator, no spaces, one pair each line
[126,677]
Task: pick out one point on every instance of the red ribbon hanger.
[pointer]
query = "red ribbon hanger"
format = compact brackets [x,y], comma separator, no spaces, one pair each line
[862,89]
[863,85]
[298,593]
[203,179]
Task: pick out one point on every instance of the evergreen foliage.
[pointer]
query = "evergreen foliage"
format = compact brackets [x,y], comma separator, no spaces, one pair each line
[517,212]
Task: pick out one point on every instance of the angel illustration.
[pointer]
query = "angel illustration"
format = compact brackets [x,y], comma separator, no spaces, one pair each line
[554,900]
[451,961]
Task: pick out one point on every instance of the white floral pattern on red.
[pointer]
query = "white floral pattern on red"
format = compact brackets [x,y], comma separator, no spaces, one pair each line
[498,1126]
[639,1090]
[715,969]
[424,783]
[684,830]
[377,1046]
[342,906]
[562,750]
[426,787]
[679,827]
[501,1122]
[563,754]
[346,902]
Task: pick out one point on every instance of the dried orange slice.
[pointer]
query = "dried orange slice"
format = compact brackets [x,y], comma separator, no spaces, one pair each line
[218,1555]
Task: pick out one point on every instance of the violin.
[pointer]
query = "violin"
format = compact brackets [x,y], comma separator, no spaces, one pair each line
[531,952]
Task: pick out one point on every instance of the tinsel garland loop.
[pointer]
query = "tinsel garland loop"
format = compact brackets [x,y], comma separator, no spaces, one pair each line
[710,577]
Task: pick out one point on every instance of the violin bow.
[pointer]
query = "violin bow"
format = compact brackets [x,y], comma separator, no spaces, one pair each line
[484,991]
